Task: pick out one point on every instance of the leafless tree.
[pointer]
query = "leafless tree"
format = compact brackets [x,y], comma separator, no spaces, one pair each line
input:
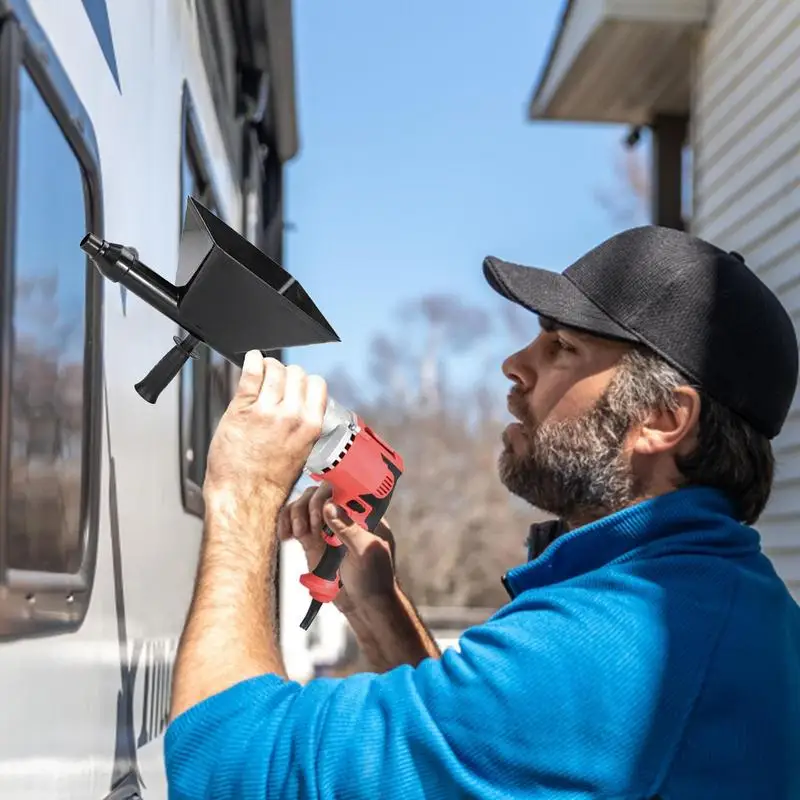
[628,200]
[458,529]
[46,427]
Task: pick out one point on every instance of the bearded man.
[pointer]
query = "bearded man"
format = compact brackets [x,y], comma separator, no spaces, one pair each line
[649,649]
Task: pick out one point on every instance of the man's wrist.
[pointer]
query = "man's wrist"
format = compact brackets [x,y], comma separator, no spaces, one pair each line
[239,513]
[240,532]
[376,602]
[232,500]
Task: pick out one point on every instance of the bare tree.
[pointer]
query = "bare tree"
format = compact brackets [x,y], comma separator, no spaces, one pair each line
[458,529]
[46,427]
[628,200]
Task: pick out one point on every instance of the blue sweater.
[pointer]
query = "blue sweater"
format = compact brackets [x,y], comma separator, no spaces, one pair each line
[652,653]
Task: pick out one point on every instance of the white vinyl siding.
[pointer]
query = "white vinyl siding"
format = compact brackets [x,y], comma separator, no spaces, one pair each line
[746,194]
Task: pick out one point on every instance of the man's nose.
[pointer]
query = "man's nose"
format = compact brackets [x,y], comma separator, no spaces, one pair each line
[518,369]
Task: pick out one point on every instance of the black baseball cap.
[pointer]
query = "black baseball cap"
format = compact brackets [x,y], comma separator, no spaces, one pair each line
[702,309]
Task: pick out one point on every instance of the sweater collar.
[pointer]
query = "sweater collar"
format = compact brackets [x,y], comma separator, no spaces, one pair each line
[704,517]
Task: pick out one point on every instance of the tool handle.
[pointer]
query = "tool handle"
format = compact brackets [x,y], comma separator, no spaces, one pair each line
[323,582]
[328,567]
[151,386]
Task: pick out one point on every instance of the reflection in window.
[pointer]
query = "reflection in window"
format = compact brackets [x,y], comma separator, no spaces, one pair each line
[204,380]
[48,284]
[218,389]
[189,422]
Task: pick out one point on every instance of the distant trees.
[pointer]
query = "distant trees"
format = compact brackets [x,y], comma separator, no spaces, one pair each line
[46,428]
[438,397]
[628,199]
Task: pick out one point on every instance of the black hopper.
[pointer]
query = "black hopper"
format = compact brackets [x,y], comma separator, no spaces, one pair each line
[229,296]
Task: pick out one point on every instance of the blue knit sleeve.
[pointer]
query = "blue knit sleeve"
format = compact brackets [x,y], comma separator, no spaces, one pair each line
[529,701]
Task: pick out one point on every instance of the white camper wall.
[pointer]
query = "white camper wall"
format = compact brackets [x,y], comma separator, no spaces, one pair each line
[86,709]
[746,151]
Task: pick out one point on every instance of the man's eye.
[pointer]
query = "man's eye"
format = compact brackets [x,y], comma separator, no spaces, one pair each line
[564,345]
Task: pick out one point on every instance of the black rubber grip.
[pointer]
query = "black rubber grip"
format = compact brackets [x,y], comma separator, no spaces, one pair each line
[330,562]
[151,386]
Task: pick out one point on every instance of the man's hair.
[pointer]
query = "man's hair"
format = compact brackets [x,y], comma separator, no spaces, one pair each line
[730,454]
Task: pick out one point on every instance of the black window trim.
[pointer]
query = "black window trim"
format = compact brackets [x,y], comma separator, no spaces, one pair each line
[219,56]
[33,602]
[198,156]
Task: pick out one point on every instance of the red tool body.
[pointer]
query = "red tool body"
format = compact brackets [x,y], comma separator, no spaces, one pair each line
[362,471]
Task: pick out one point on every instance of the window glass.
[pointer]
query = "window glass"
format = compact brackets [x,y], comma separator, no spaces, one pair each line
[189,378]
[48,286]
[189,423]
[218,388]
[204,380]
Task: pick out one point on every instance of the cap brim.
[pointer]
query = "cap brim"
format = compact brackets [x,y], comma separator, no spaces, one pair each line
[551,295]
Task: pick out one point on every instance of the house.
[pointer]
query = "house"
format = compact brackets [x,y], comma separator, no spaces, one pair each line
[716,82]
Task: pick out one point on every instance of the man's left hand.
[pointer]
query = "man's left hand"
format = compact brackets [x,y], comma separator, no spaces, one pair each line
[267,432]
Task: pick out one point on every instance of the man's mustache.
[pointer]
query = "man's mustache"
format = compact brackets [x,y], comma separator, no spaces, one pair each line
[519,408]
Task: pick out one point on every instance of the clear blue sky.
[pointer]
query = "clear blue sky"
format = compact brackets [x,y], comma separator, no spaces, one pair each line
[417,159]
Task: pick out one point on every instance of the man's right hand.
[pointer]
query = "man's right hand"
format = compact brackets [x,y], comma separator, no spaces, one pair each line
[389,630]
[367,571]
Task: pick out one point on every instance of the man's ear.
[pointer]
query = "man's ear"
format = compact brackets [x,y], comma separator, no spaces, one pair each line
[674,430]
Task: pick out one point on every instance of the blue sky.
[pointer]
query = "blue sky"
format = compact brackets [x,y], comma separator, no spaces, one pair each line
[417,160]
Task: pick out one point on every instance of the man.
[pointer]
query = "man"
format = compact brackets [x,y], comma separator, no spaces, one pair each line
[648,648]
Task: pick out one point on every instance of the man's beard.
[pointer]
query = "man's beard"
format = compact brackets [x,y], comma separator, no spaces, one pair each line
[575,469]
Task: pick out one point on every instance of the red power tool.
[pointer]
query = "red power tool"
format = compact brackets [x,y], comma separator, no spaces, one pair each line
[362,471]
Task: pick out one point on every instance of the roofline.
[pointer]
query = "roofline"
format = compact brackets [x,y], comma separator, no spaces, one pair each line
[555,41]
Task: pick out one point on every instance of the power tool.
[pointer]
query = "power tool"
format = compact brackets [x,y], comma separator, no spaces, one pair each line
[233,298]
[362,471]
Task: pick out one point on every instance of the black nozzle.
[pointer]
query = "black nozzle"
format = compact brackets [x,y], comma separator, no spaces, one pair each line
[119,263]
[92,245]
[151,386]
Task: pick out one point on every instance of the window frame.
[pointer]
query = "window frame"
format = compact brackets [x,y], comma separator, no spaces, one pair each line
[35,603]
[219,53]
[193,150]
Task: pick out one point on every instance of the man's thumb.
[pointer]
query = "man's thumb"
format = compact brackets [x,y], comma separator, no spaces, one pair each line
[252,375]
[340,522]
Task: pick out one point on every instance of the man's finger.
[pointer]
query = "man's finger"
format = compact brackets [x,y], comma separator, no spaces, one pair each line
[284,525]
[294,389]
[320,496]
[298,512]
[252,375]
[356,538]
[272,386]
[305,499]
[316,398]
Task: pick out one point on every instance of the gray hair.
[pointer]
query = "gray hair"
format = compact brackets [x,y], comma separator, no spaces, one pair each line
[730,454]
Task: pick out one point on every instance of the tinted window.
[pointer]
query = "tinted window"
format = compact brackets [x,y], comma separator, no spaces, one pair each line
[192,418]
[218,390]
[204,380]
[48,286]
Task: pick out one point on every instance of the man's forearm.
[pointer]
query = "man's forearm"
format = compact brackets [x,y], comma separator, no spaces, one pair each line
[229,634]
[390,632]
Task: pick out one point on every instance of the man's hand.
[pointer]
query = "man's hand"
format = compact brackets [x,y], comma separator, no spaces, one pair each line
[385,622]
[256,455]
[267,432]
[367,571]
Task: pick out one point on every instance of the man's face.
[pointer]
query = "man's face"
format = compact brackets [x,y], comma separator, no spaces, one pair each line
[566,453]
